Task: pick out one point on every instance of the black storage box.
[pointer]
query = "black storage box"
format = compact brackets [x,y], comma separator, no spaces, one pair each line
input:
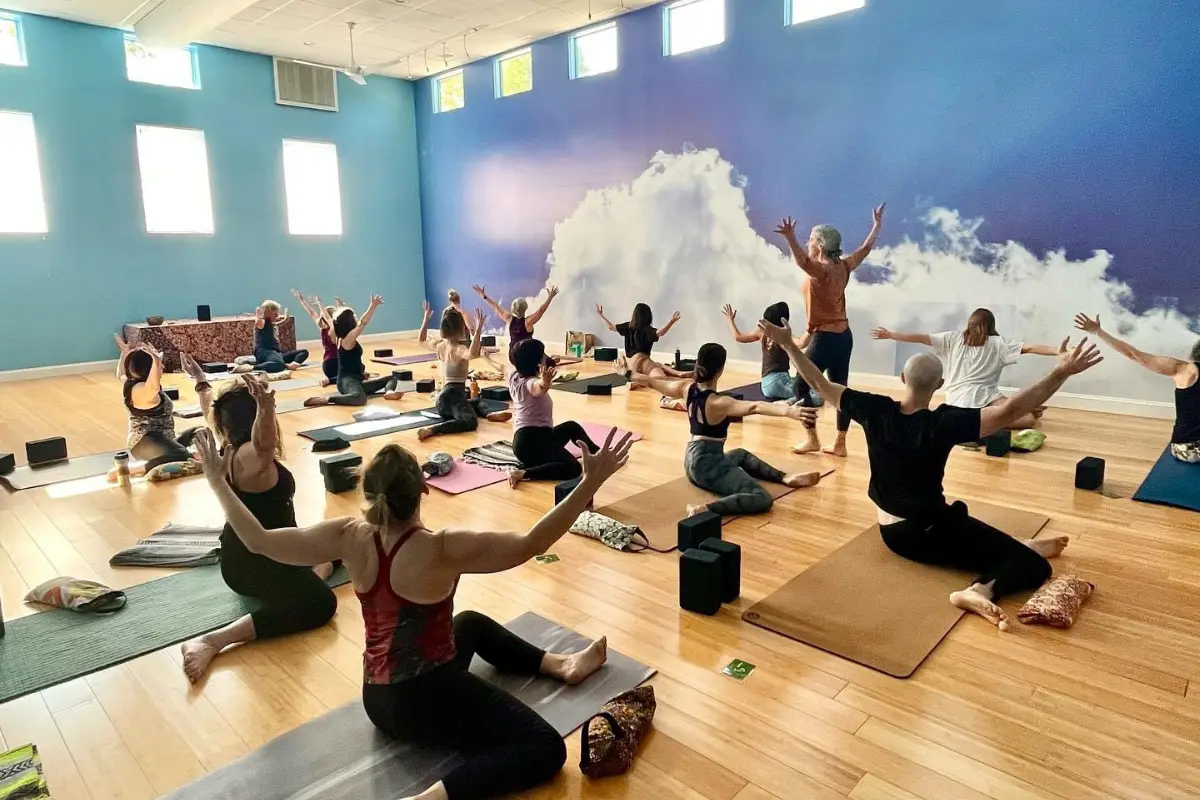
[731,567]
[694,530]
[46,451]
[700,582]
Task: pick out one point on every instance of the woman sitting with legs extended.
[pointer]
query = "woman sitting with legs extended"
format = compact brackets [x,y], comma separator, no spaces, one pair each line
[1185,436]
[640,336]
[520,325]
[974,359]
[778,383]
[292,598]
[417,687]
[734,475]
[540,445]
[352,384]
[454,403]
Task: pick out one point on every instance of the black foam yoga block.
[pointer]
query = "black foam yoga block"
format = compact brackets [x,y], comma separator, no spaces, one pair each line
[203,313]
[46,451]
[425,386]
[700,582]
[599,388]
[1089,473]
[402,374]
[488,341]
[605,353]
[731,567]
[214,366]
[495,393]
[342,481]
[999,443]
[8,462]
[694,530]
[383,352]
[171,392]
[340,462]
[563,489]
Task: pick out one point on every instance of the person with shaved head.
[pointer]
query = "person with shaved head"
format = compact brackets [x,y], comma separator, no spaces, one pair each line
[908,446]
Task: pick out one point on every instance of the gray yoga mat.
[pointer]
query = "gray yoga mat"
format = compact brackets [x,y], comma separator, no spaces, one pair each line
[294,383]
[420,418]
[580,386]
[25,477]
[341,755]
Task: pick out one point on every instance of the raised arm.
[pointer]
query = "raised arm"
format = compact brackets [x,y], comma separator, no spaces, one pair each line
[351,338]
[816,379]
[423,334]
[914,338]
[313,313]
[203,387]
[671,387]
[302,547]
[264,436]
[1163,365]
[731,317]
[604,319]
[1070,362]
[864,249]
[259,320]
[787,229]
[670,324]
[477,335]
[536,316]
[504,315]
[473,552]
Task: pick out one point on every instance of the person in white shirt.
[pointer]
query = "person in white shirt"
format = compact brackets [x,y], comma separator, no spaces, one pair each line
[974,359]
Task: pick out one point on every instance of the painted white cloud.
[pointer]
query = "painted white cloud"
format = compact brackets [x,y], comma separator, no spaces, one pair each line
[678,237]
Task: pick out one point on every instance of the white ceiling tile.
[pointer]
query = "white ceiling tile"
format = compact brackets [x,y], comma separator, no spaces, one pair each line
[281,20]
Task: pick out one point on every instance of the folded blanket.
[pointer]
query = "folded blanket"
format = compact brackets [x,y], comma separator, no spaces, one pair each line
[76,594]
[173,546]
[497,455]
[21,775]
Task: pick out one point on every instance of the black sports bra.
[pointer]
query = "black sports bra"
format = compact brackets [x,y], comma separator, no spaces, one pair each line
[697,398]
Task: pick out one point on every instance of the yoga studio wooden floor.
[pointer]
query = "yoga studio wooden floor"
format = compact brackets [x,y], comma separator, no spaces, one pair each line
[1109,709]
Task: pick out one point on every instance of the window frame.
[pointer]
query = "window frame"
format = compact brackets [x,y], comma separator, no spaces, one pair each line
[212,212]
[15,19]
[497,61]
[789,12]
[341,217]
[41,183]
[666,26]
[192,52]
[573,51]
[437,91]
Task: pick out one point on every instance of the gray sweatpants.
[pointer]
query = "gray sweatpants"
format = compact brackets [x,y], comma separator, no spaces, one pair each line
[731,475]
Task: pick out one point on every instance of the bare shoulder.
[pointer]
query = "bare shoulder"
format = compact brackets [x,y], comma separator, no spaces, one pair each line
[1187,377]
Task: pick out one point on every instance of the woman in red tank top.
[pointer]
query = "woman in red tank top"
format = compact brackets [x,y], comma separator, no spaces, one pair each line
[416,685]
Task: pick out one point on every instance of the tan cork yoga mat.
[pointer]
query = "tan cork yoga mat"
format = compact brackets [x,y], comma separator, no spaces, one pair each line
[865,603]
[657,511]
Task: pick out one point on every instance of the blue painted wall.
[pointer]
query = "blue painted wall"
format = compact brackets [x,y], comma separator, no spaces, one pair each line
[66,292]
[1056,124]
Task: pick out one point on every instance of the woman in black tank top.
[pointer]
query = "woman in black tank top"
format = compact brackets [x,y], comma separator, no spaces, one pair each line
[520,324]
[733,476]
[353,387]
[640,336]
[291,598]
[778,383]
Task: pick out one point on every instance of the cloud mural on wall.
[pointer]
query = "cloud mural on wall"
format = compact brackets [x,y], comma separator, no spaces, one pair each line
[678,237]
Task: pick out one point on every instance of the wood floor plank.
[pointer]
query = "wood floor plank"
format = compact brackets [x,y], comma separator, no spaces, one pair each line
[28,721]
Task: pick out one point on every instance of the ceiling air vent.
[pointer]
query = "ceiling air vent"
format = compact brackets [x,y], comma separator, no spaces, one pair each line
[305,85]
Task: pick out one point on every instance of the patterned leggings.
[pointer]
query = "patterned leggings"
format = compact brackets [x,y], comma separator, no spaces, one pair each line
[731,475]
[1188,452]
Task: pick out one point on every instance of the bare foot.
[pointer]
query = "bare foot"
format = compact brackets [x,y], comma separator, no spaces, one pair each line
[312,402]
[323,571]
[577,667]
[798,480]
[1049,548]
[976,603]
[515,476]
[693,510]
[810,445]
[325,382]
[294,366]
[197,655]
[424,433]
[238,369]
[393,395]
[499,416]
[838,449]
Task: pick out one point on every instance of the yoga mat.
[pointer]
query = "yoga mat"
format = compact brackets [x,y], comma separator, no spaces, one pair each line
[599,433]
[284,405]
[54,646]
[341,755]
[26,477]
[580,386]
[400,361]
[1171,482]
[867,604]
[751,392]
[353,431]
[466,476]
[657,511]
[294,383]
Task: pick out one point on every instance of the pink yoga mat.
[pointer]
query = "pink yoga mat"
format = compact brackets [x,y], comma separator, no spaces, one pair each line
[465,477]
[599,433]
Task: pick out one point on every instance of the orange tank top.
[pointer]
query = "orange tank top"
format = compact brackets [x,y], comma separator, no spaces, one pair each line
[825,298]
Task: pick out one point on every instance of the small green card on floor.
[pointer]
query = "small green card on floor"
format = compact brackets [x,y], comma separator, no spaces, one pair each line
[738,669]
[548,558]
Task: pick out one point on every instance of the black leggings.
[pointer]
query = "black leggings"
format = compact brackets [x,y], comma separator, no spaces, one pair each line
[156,447]
[509,748]
[354,391]
[330,367]
[543,451]
[963,542]
[830,352]
[458,409]
[293,599]
[275,361]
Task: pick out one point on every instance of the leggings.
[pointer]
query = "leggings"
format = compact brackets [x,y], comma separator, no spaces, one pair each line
[543,451]
[157,447]
[963,542]
[353,390]
[330,367]
[508,747]
[731,475]
[458,409]
[293,599]
[275,361]
[830,352]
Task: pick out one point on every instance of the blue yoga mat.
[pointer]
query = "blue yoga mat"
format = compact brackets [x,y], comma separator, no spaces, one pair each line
[1171,482]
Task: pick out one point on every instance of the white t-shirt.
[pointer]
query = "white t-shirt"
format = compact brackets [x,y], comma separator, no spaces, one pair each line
[973,373]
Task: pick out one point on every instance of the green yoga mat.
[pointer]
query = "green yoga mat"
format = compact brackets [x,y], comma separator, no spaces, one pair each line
[55,646]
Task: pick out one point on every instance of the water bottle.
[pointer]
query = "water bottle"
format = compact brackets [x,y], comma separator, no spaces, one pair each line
[677,359]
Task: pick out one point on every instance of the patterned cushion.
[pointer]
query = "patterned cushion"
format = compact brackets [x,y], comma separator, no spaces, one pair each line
[1057,603]
[174,469]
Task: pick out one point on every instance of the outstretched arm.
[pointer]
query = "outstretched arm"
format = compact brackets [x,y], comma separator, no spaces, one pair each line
[313,313]
[787,229]
[914,338]
[604,319]
[504,315]
[477,335]
[1163,365]
[536,316]
[264,436]
[1070,362]
[732,407]
[670,324]
[351,338]
[203,387]
[1038,350]
[731,317]
[864,249]
[782,336]
[671,387]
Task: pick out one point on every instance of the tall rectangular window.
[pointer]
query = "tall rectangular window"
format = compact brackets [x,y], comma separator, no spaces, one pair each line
[314,196]
[448,92]
[173,163]
[807,10]
[514,73]
[22,204]
[166,66]
[12,46]
[692,24]
[594,51]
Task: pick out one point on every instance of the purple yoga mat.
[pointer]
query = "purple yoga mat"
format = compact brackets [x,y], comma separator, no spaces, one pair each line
[751,392]
[400,361]
[465,477]
[599,433]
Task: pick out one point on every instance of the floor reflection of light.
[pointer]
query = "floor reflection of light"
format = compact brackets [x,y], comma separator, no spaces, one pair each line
[77,487]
